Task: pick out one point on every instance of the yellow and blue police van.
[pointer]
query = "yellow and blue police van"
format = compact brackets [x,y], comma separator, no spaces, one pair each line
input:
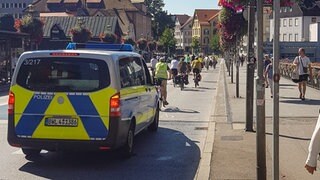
[88,97]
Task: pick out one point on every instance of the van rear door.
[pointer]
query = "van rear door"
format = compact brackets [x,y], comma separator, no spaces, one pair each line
[62,98]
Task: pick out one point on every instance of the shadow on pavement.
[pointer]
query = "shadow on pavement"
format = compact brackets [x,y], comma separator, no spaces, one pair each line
[193,89]
[292,137]
[167,154]
[177,110]
[294,85]
[299,101]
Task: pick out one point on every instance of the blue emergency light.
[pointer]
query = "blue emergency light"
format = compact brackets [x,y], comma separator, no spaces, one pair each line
[101,46]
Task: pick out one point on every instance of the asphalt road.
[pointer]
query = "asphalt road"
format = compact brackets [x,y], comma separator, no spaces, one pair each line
[172,153]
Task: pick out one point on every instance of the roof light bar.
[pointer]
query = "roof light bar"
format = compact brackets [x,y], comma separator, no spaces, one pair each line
[101,46]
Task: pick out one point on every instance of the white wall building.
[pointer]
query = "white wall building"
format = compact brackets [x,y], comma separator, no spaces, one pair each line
[295,22]
[14,7]
[181,32]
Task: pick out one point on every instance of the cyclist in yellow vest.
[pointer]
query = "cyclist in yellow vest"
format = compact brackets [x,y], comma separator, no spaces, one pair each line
[161,76]
[197,67]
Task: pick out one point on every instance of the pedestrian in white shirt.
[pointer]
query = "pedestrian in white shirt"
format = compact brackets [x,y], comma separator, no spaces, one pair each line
[303,64]
[314,149]
[174,67]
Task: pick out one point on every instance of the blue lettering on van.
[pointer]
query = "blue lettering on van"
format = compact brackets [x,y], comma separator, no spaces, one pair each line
[43,97]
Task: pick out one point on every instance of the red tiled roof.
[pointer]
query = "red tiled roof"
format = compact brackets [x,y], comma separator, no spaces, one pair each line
[182,18]
[204,15]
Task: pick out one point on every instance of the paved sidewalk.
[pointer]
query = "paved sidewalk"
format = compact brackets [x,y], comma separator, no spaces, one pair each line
[234,150]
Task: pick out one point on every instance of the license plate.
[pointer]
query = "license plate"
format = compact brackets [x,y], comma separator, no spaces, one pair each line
[61,121]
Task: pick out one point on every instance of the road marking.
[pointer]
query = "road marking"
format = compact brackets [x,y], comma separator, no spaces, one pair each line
[164,158]
[19,152]
[3,104]
[3,122]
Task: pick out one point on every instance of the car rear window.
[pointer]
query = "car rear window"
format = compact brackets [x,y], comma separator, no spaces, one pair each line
[58,74]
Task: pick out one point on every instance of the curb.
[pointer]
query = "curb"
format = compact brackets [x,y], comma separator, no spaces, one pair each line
[204,168]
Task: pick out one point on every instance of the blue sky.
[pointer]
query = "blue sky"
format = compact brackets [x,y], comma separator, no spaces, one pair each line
[188,6]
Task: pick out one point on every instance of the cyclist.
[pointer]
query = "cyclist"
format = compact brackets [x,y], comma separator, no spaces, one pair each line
[196,66]
[161,76]
[183,70]
[174,68]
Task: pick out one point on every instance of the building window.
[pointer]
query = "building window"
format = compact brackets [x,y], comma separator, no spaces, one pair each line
[296,36]
[313,19]
[285,23]
[284,37]
[3,5]
[290,37]
[20,5]
[11,5]
[7,5]
[15,5]
[24,5]
[296,22]
[290,22]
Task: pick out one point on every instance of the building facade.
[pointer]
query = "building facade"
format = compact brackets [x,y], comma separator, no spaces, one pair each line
[186,33]
[201,27]
[295,22]
[14,7]
[180,20]
[134,20]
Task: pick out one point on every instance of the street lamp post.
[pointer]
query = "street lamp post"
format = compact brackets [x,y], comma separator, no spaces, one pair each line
[260,101]
[250,68]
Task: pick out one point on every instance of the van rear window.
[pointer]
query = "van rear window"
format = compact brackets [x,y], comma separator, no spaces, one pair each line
[59,74]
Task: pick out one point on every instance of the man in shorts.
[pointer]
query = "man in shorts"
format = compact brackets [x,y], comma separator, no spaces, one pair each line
[303,64]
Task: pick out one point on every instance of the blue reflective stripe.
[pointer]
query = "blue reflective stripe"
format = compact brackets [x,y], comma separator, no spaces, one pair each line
[84,107]
[32,116]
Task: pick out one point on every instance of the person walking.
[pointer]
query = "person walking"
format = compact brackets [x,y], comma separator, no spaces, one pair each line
[268,73]
[314,149]
[266,62]
[303,63]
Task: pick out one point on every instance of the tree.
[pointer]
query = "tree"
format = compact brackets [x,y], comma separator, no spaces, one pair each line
[195,44]
[215,43]
[161,19]
[7,22]
[168,40]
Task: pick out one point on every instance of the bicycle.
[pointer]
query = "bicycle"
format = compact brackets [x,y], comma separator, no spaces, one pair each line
[197,79]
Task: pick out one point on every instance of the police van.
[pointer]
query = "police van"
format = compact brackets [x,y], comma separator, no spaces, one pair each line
[90,97]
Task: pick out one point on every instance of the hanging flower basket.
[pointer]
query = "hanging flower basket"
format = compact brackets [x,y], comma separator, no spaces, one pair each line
[152,46]
[142,44]
[109,38]
[31,26]
[130,41]
[80,35]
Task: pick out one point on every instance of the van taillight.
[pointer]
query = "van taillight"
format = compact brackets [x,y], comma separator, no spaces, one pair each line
[115,106]
[11,103]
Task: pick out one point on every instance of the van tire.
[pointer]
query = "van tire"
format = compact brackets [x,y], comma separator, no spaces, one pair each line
[153,127]
[127,149]
[31,152]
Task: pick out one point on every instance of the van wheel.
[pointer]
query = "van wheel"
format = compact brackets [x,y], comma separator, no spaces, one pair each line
[127,149]
[31,152]
[153,127]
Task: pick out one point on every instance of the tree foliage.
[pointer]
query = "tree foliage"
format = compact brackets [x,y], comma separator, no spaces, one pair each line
[215,43]
[161,20]
[195,44]
[168,40]
[7,22]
